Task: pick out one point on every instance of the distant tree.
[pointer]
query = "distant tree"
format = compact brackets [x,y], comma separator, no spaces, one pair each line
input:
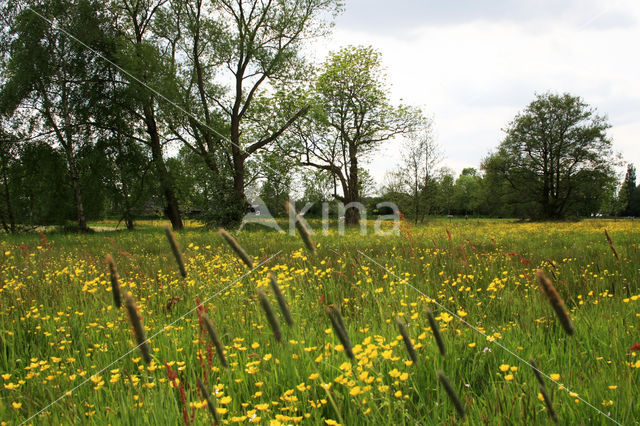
[634,203]
[194,184]
[393,189]
[627,192]
[421,157]
[467,192]
[317,186]
[352,116]
[445,192]
[276,173]
[127,176]
[555,152]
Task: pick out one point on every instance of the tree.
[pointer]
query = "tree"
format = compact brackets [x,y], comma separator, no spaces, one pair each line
[8,158]
[236,54]
[352,115]
[150,70]
[276,178]
[555,152]
[627,192]
[421,157]
[50,75]
[444,195]
[467,191]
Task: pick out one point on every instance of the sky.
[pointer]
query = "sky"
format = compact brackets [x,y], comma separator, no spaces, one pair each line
[472,65]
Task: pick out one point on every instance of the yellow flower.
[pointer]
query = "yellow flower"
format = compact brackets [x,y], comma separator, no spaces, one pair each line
[355,391]
[16,405]
[508,377]
[314,376]
[540,397]
[225,400]
[613,387]
[554,376]
[462,313]
[331,422]
[398,394]
[394,373]
[504,367]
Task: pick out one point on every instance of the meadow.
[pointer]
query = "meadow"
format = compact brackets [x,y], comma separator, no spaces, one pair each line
[62,339]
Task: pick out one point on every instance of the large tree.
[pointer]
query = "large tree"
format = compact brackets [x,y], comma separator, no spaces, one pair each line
[352,116]
[234,55]
[149,67]
[50,76]
[556,153]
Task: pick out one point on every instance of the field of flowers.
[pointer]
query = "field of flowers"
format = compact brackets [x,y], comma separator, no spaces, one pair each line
[68,355]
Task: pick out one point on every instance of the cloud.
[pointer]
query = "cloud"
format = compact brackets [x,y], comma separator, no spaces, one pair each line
[474,65]
[401,16]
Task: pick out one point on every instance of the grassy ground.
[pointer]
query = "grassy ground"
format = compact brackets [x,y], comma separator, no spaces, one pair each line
[60,332]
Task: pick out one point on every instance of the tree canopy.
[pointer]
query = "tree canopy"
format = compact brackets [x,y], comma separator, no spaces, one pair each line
[556,153]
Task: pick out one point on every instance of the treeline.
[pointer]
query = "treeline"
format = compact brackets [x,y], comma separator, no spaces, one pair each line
[133,108]
[119,105]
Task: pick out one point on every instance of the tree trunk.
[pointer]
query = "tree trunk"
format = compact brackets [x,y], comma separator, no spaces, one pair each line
[128,217]
[77,191]
[77,195]
[352,215]
[239,196]
[166,183]
[7,197]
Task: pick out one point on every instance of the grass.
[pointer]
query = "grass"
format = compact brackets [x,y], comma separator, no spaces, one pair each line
[59,326]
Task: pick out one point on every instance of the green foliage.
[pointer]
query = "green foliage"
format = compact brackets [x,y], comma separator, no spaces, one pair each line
[629,194]
[40,188]
[556,154]
[350,116]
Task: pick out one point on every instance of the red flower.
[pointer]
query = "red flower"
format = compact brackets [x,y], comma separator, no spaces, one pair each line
[635,347]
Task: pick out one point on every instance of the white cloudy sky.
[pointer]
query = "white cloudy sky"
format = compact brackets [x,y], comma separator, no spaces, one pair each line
[474,64]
